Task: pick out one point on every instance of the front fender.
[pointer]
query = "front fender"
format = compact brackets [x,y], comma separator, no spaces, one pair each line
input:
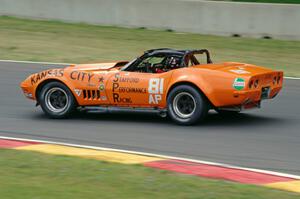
[34,82]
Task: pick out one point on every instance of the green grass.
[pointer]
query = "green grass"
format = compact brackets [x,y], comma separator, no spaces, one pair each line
[22,39]
[32,175]
[270,1]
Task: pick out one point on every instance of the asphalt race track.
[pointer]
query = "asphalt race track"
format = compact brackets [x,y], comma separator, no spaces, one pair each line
[268,138]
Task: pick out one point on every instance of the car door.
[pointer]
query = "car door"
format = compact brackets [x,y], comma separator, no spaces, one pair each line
[138,89]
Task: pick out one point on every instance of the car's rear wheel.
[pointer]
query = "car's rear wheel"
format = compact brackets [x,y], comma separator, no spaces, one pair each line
[56,100]
[186,105]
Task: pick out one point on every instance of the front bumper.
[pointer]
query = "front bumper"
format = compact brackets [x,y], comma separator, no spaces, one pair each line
[27,90]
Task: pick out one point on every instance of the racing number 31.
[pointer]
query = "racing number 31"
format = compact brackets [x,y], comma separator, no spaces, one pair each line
[155,89]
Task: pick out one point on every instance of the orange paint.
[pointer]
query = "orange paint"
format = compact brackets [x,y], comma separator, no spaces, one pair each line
[105,84]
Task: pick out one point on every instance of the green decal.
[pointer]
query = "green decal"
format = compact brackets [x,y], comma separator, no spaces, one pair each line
[239,83]
[101,87]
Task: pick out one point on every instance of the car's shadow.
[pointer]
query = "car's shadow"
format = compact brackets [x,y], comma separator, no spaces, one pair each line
[212,119]
[241,119]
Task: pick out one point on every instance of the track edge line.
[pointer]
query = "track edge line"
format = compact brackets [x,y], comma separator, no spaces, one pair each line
[54,63]
[274,173]
[33,62]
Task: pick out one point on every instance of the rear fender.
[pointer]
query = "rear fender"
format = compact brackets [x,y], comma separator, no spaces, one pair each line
[210,83]
[190,77]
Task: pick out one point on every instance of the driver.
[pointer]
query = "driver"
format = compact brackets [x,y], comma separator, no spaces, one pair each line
[173,63]
[170,64]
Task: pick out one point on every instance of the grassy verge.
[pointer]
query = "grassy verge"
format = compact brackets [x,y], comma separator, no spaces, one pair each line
[61,42]
[30,175]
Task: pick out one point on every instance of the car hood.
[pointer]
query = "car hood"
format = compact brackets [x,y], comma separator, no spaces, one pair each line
[98,66]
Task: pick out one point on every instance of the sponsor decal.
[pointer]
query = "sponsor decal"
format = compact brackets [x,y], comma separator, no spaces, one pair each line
[155,90]
[103,98]
[239,71]
[117,89]
[101,79]
[81,76]
[101,87]
[91,85]
[77,91]
[119,78]
[129,79]
[117,98]
[47,73]
[239,83]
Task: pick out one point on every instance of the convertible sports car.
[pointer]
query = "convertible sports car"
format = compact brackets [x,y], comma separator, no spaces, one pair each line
[183,84]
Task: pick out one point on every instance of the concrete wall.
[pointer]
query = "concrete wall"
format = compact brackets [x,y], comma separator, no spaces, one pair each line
[206,17]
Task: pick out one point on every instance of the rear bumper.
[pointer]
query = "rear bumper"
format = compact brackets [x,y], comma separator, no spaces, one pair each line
[241,107]
[249,99]
[257,94]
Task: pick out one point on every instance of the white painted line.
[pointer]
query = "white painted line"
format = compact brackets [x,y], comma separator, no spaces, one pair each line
[53,63]
[295,78]
[159,156]
[33,62]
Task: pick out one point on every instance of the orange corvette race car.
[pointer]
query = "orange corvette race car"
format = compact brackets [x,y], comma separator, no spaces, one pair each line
[183,84]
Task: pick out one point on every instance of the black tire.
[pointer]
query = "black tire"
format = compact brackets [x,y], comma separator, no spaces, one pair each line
[180,105]
[56,100]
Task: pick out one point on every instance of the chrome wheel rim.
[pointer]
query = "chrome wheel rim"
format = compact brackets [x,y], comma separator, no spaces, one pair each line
[184,105]
[56,99]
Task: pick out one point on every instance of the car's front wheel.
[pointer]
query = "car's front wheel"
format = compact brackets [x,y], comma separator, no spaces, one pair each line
[186,105]
[56,100]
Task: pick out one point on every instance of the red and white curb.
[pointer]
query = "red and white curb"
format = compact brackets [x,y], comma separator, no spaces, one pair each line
[199,168]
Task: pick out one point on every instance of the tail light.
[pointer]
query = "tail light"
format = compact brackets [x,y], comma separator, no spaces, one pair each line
[275,80]
[278,79]
[256,83]
[250,84]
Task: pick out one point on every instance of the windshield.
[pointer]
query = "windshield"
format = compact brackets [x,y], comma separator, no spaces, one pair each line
[129,63]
